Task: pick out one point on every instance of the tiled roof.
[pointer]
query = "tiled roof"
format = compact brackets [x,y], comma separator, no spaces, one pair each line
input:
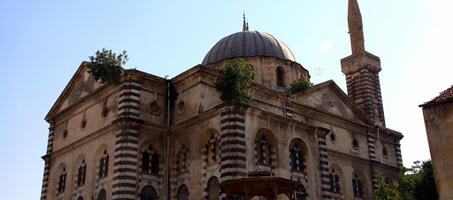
[444,97]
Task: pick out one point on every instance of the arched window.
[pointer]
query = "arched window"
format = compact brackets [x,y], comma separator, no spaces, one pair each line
[301,193]
[181,160]
[145,161]
[80,198]
[101,195]
[62,181]
[384,152]
[212,149]
[103,165]
[280,77]
[357,186]
[150,161]
[148,193]
[213,189]
[155,164]
[335,182]
[263,150]
[355,144]
[297,157]
[81,174]
[183,193]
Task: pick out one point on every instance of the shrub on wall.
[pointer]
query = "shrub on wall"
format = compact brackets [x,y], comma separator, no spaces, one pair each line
[106,66]
[235,77]
[300,86]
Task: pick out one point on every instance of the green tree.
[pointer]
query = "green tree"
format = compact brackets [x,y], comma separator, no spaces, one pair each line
[106,66]
[415,183]
[300,86]
[425,187]
[235,77]
[386,191]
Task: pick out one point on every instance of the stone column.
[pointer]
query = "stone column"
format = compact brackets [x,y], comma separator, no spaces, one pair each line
[323,162]
[124,185]
[232,142]
[46,158]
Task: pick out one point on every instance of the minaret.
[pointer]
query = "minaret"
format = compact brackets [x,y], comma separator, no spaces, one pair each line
[362,70]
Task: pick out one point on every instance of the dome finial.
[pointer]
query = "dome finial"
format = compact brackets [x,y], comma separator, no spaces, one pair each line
[245,25]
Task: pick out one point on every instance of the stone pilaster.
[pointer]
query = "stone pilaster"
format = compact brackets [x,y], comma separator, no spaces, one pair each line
[232,142]
[399,159]
[323,162]
[372,156]
[371,148]
[45,181]
[124,185]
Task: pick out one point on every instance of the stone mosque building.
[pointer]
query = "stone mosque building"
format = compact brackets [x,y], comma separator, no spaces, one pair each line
[129,141]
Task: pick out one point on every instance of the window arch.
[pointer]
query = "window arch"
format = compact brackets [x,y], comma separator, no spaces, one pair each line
[81,173]
[61,181]
[103,165]
[357,186]
[181,160]
[148,193]
[335,181]
[212,150]
[264,148]
[213,189]
[301,193]
[80,198]
[101,195]
[150,161]
[297,156]
[183,193]
[280,73]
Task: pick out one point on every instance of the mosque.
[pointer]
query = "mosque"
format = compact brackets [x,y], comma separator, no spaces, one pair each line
[133,141]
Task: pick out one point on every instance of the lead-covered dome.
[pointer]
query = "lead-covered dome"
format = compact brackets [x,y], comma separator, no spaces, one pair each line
[248,44]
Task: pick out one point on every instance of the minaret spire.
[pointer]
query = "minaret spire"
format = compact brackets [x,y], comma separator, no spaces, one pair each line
[355,28]
[362,70]
[245,24]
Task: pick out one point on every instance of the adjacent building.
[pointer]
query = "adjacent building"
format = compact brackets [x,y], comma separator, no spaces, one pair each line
[438,114]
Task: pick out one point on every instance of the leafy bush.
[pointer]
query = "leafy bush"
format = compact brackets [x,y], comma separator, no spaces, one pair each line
[234,79]
[300,86]
[106,66]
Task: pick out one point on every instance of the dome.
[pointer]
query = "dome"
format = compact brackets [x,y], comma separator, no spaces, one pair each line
[248,44]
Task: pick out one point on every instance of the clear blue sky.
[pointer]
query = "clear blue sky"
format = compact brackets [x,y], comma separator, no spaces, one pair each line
[43,42]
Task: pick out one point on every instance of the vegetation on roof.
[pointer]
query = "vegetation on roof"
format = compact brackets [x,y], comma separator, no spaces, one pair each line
[300,86]
[106,66]
[235,77]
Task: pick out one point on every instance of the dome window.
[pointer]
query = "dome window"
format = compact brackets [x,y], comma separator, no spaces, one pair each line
[280,77]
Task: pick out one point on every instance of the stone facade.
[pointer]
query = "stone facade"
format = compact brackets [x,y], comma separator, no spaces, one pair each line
[438,115]
[136,140]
